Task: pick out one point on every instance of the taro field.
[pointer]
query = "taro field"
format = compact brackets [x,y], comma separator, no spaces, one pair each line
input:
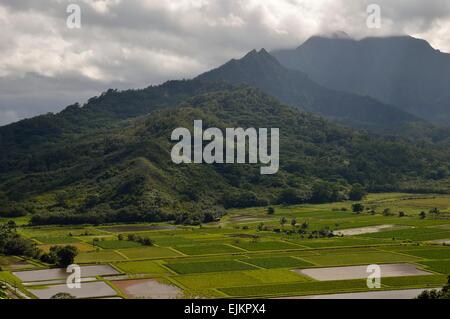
[296,252]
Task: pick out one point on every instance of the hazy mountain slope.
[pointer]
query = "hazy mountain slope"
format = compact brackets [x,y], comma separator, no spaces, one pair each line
[401,71]
[263,71]
[125,173]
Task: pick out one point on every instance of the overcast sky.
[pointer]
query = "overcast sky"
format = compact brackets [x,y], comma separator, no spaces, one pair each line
[45,66]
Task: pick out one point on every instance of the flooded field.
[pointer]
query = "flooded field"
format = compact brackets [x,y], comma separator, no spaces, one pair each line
[392,294]
[363,230]
[87,290]
[58,273]
[360,272]
[148,289]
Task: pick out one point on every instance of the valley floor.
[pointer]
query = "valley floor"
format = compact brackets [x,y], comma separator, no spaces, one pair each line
[248,254]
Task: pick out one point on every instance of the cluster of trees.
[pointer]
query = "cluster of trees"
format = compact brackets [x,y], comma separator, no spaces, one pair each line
[146,241]
[444,293]
[61,256]
[298,229]
[11,243]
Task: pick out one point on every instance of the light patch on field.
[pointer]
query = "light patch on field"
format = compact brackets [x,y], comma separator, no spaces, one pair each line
[389,294]
[363,230]
[87,290]
[148,289]
[360,272]
[60,273]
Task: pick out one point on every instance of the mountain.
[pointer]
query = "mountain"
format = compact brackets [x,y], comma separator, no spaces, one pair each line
[123,172]
[401,71]
[262,70]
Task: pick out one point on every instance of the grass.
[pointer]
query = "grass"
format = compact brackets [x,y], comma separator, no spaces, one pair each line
[441,266]
[141,267]
[82,247]
[278,262]
[208,266]
[359,258]
[149,253]
[238,278]
[303,288]
[266,245]
[101,256]
[117,244]
[205,249]
[57,240]
[415,281]
[442,253]
[417,234]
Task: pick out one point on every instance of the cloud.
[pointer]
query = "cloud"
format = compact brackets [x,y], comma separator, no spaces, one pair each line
[45,66]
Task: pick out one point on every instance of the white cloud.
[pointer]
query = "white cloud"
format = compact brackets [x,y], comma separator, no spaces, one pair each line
[135,43]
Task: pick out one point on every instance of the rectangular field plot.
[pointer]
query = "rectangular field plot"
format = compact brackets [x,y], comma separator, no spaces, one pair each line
[415,281]
[278,262]
[238,278]
[57,240]
[98,256]
[302,288]
[441,253]
[141,267]
[206,249]
[384,294]
[82,247]
[60,273]
[149,253]
[266,245]
[208,266]
[117,244]
[342,242]
[136,228]
[87,290]
[148,289]
[417,234]
[357,272]
[358,258]
[441,266]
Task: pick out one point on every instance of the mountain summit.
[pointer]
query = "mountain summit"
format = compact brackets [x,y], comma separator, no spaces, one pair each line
[402,71]
[262,70]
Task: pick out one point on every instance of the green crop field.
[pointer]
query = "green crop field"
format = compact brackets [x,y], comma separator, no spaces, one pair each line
[208,266]
[248,253]
[206,249]
[278,262]
[117,244]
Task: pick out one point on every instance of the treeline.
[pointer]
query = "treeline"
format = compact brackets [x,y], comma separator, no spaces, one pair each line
[322,192]
[123,216]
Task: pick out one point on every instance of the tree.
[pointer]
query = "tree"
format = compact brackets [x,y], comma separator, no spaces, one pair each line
[387,212]
[357,192]
[293,222]
[434,212]
[64,256]
[283,221]
[358,208]
[401,214]
[444,293]
[270,210]
[422,215]
[260,227]
[120,237]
